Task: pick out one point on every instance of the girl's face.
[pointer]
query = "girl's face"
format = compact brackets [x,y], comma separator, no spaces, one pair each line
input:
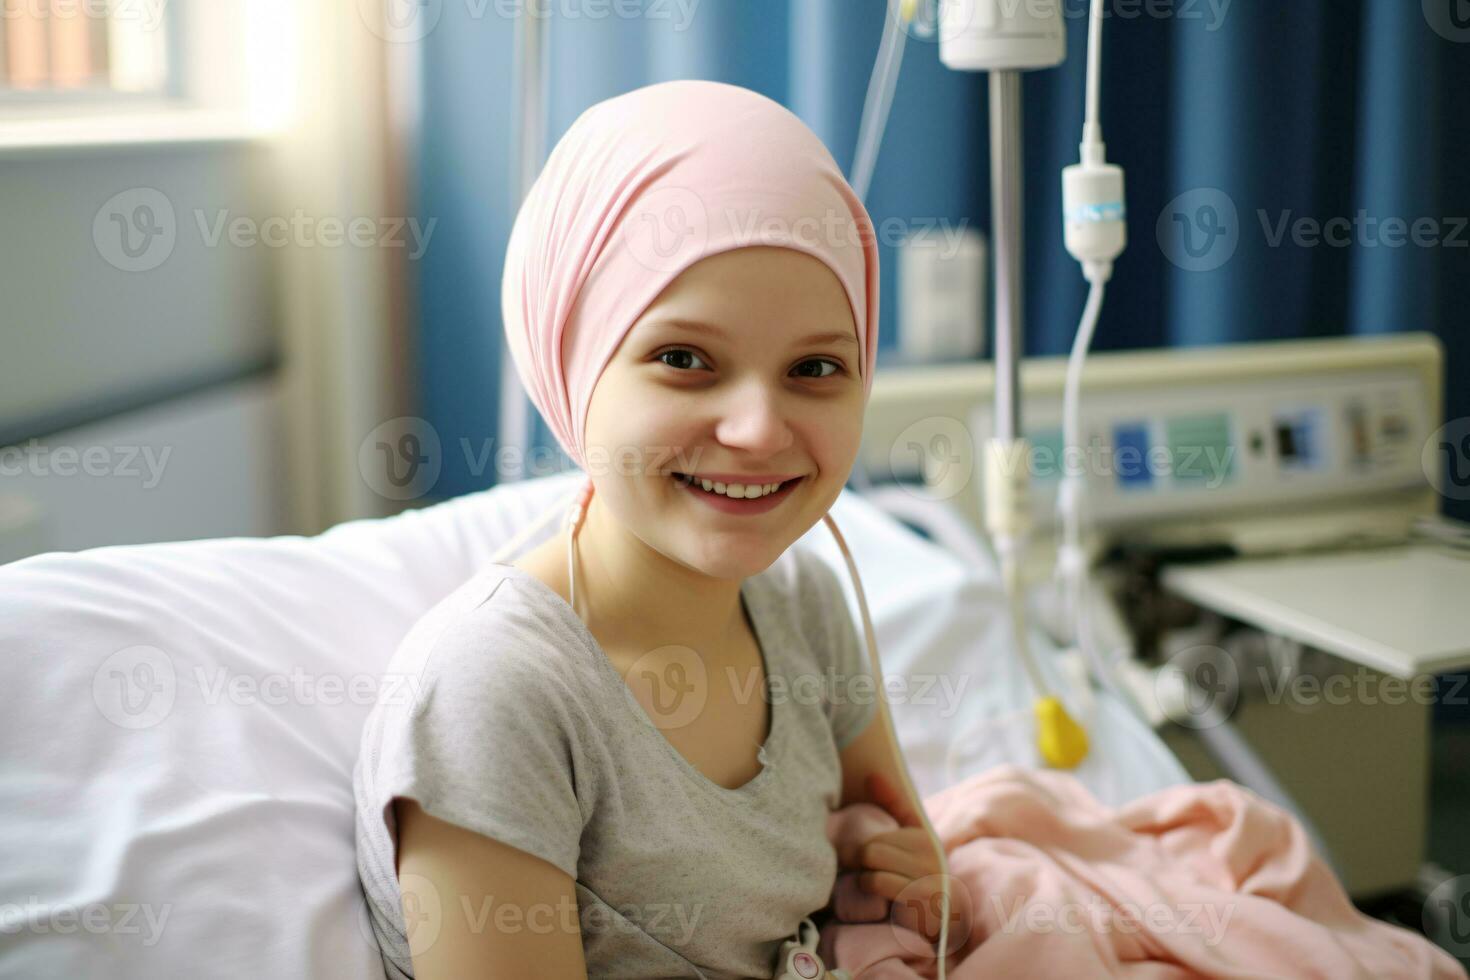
[771,387]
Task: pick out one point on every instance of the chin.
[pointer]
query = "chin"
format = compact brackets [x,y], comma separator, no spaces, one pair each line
[733,566]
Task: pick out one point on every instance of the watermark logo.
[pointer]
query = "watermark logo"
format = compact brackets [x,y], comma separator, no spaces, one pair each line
[1446,916]
[401,21]
[1199,230]
[409,21]
[1363,230]
[918,909]
[136,230]
[939,448]
[145,463]
[1450,19]
[663,224]
[1099,917]
[146,15]
[401,458]
[937,20]
[302,230]
[670,684]
[1198,687]
[423,910]
[135,688]
[1446,459]
[96,918]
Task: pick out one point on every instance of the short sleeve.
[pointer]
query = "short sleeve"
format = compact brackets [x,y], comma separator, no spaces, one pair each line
[852,692]
[492,743]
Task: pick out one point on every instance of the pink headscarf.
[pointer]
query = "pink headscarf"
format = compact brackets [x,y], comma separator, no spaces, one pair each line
[640,188]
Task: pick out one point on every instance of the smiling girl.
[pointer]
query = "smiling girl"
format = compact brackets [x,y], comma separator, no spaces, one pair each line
[612,771]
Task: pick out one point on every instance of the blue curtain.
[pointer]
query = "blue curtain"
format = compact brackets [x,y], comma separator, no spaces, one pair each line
[1233,120]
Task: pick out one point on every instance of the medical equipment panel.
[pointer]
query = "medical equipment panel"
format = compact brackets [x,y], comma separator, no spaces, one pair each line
[1197,444]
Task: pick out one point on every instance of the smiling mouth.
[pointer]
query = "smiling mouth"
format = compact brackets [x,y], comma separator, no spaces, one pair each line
[720,489]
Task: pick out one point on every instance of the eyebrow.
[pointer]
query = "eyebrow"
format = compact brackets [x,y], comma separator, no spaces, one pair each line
[696,326]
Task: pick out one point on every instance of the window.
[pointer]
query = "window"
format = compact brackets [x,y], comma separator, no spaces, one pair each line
[80,73]
[60,49]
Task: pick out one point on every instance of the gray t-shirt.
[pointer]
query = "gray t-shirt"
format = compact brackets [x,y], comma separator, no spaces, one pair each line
[501,714]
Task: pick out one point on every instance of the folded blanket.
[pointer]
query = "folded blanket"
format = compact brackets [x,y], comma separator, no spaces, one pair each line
[1205,879]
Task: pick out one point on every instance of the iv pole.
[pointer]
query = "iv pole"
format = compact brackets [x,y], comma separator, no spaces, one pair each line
[532,80]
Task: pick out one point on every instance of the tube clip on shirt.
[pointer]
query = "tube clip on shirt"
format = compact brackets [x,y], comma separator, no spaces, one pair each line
[798,959]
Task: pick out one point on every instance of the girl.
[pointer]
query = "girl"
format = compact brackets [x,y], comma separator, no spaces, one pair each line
[626,742]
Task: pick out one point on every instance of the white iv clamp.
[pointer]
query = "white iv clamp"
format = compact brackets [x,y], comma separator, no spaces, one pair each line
[798,959]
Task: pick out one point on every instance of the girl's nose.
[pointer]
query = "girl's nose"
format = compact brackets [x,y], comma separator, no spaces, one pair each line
[753,418]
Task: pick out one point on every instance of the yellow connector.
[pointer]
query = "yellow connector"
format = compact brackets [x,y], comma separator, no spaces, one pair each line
[907,9]
[1062,741]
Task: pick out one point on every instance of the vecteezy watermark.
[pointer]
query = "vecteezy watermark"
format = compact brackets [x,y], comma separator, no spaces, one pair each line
[1211,13]
[1363,230]
[946,20]
[665,226]
[1098,917]
[407,21]
[137,230]
[672,685]
[1204,466]
[34,458]
[146,14]
[98,918]
[425,908]
[1446,459]
[938,451]
[1450,19]
[917,911]
[1198,687]
[935,20]
[305,231]
[1446,916]
[401,459]
[134,688]
[942,692]
[221,685]
[1360,685]
[1200,230]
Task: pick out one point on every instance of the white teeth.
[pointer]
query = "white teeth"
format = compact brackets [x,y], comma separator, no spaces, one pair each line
[738,491]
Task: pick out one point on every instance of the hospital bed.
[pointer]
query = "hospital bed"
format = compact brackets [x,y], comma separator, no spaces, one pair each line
[182,720]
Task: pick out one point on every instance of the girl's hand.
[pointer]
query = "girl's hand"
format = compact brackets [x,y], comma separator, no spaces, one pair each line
[901,866]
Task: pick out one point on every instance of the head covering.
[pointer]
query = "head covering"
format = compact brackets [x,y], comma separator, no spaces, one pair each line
[641,187]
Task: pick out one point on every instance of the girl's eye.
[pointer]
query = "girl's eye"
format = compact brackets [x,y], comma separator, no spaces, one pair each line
[680,353]
[831,364]
[684,355]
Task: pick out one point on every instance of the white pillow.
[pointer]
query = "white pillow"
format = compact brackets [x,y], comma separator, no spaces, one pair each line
[180,725]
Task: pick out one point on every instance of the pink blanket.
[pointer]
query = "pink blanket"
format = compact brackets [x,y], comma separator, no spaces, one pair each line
[1200,880]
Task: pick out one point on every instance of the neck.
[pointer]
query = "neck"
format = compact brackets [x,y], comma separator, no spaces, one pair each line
[633,597]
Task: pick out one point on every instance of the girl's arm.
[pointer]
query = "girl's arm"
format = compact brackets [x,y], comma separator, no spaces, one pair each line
[869,754]
[475,907]
[899,865]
